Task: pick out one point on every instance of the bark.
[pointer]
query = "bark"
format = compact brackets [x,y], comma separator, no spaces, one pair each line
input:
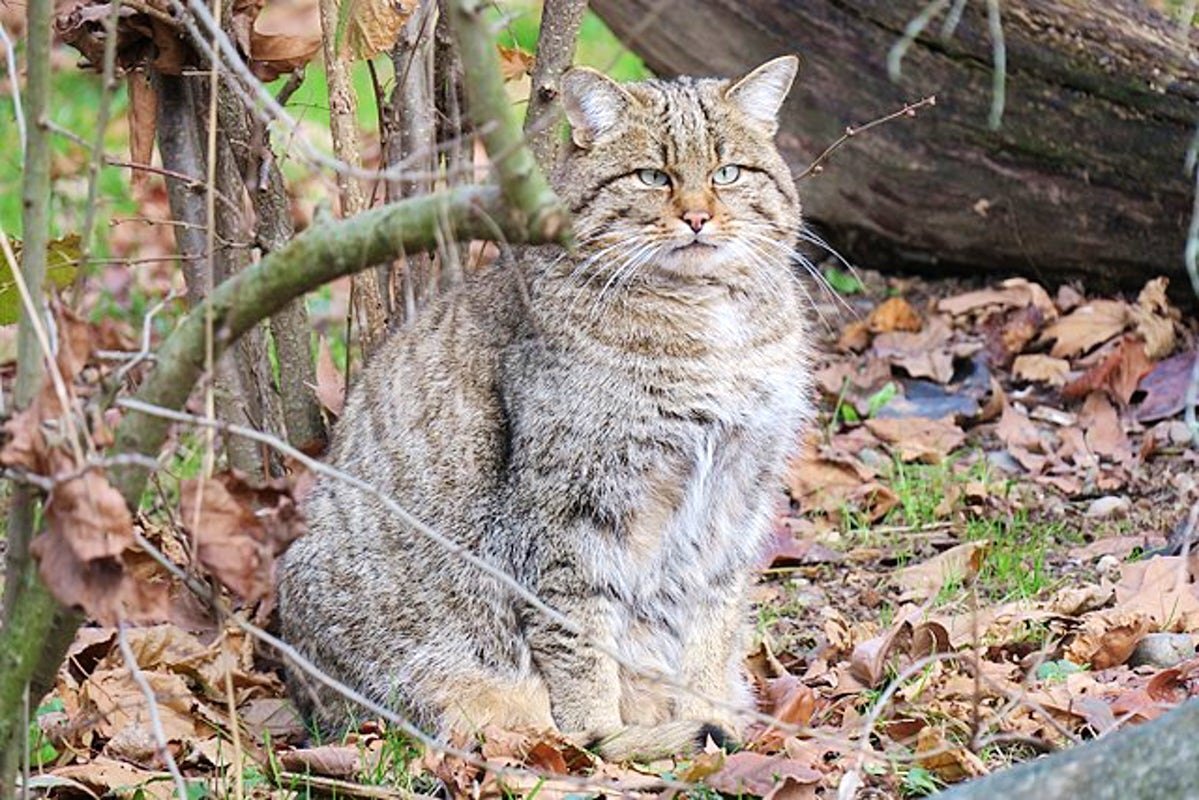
[411,128]
[368,304]
[560,21]
[1083,179]
[293,407]
[181,146]
[1155,761]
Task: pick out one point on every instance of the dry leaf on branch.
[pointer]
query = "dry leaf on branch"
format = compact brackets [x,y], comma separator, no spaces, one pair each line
[239,530]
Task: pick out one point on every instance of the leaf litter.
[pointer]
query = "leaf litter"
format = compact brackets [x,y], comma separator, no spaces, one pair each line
[964,561]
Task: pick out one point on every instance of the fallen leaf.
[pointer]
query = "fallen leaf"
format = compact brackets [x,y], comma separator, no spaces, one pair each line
[918,438]
[1105,435]
[1165,388]
[1162,589]
[1040,368]
[1107,638]
[1086,327]
[1007,334]
[338,761]
[1118,374]
[757,774]
[1016,293]
[894,314]
[1153,321]
[1015,429]
[950,763]
[959,563]
[921,355]
[107,776]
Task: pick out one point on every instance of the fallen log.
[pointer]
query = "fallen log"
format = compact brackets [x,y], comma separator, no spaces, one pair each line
[1084,180]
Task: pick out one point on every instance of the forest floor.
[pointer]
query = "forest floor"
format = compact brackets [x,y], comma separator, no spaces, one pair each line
[965,574]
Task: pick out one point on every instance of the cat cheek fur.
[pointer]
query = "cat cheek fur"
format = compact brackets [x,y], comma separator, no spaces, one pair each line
[604,425]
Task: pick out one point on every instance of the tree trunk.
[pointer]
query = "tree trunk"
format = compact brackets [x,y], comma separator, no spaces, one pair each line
[1083,180]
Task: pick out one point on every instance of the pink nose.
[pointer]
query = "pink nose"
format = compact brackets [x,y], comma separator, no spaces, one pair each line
[696,219]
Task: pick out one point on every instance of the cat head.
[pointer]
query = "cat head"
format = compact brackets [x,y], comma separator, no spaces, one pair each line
[679,176]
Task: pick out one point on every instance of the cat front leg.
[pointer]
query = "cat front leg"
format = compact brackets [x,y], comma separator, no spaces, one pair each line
[583,682]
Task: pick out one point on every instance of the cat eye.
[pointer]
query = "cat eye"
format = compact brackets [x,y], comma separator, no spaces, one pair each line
[726,174]
[653,177]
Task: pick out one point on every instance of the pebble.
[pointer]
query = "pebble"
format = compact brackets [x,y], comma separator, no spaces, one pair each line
[1108,565]
[1109,506]
[1163,650]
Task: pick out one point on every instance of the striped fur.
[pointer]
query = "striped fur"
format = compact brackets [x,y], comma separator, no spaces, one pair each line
[608,425]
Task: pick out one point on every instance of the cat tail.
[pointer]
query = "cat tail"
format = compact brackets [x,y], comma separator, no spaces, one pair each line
[651,742]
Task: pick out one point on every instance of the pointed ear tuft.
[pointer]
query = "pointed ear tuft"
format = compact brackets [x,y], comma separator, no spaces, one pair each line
[760,94]
[595,105]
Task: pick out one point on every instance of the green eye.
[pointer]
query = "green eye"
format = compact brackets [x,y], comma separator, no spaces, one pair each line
[653,177]
[726,175]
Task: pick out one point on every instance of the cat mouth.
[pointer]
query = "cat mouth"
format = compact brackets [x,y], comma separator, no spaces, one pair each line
[694,245]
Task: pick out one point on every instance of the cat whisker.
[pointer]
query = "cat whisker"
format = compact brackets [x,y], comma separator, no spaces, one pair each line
[802,260]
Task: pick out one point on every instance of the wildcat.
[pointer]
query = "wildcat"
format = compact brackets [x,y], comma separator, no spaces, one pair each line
[607,424]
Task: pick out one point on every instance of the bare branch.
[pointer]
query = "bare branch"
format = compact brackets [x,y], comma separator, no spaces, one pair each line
[908,110]
[560,21]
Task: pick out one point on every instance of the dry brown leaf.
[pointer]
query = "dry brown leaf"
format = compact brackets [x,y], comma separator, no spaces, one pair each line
[330,383]
[759,775]
[1107,638]
[119,703]
[1104,433]
[1040,368]
[239,530]
[107,776]
[143,123]
[1118,374]
[515,63]
[960,562]
[918,438]
[283,38]
[1162,589]
[894,314]
[1153,319]
[921,355]
[1007,334]
[374,25]
[1016,430]
[1086,327]
[337,761]
[91,516]
[950,763]
[854,338]
[1015,293]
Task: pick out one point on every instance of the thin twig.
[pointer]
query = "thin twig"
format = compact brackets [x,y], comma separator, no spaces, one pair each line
[97,157]
[908,110]
[14,79]
[160,737]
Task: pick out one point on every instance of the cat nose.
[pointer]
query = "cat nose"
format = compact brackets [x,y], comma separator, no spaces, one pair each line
[696,219]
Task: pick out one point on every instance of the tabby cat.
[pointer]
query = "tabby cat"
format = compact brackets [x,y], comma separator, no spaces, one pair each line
[607,425]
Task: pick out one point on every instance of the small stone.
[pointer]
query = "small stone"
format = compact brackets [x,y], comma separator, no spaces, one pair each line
[1109,506]
[1108,565]
[1163,650]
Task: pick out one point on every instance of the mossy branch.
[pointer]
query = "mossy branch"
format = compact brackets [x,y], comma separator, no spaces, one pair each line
[315,257]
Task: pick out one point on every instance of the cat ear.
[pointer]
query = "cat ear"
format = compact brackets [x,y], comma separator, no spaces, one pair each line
[594,103]
[760,94]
